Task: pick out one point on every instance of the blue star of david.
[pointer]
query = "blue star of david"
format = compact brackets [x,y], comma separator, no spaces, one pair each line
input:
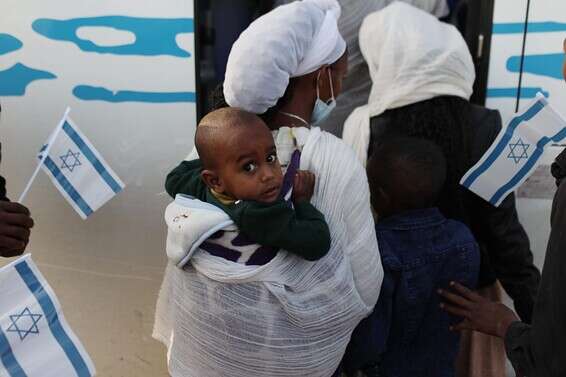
[70,160]
[24,323]
[518,151]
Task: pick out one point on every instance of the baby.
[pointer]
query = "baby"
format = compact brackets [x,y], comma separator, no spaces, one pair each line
[238,171]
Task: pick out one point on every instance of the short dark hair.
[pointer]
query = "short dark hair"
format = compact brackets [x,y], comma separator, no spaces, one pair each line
[411,171]
[215,127]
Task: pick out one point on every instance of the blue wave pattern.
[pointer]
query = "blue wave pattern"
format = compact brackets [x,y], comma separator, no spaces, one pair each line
[91,93]
[533,27]
[549,65]
[9,43]
[154,36]
[14,81]
[530,92]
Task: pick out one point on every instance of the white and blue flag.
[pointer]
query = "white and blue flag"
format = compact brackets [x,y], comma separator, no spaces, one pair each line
[35,339]
[516,152]
[78,170]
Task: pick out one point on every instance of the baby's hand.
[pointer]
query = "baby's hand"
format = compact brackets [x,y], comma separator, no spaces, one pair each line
[303,186]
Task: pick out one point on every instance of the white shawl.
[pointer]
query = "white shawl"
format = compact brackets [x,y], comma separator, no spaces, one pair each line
[289,317]
[412,57]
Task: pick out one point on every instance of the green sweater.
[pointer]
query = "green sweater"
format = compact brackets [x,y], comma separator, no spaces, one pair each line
[302,231]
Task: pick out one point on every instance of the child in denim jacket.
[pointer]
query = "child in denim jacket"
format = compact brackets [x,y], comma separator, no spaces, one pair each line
[408,334]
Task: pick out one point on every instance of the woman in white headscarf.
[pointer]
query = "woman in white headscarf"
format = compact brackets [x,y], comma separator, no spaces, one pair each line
[288,317]
[357,84]
[423,75]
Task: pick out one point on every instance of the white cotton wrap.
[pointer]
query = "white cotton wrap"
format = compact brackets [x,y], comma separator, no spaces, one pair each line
[412,57]
[289,317]
[290,41]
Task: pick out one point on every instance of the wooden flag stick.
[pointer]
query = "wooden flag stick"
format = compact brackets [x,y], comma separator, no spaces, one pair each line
[45,154]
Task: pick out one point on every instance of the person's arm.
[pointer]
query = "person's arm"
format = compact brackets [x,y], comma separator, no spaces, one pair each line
[489,317]
[492,318]
[369,339]
[302,231]
[499,231]
[510,254]
[529,348]
[15,224]
[186,179]
[518,348]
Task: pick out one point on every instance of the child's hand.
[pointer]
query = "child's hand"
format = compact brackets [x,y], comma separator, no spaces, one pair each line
[479,313]
[303,186]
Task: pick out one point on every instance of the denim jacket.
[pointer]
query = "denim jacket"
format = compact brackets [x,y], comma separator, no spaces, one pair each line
[408,334]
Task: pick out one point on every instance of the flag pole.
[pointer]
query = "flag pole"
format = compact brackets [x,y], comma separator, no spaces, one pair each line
[45,154]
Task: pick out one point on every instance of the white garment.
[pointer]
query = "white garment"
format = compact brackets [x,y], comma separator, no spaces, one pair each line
[184,235]
[290,41]
[412,57]
[289,317]
[357,84]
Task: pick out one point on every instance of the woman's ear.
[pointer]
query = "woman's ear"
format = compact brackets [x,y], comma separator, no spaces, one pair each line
[212,180]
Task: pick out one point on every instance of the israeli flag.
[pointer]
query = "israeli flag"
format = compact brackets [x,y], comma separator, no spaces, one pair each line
[35,339]
[516,152]
[77,169]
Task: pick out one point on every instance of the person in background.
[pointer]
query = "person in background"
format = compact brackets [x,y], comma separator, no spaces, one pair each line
[230,18]
[357,84]
[453,4]
[421,251]
[537,350]
[423,76]
[15,223]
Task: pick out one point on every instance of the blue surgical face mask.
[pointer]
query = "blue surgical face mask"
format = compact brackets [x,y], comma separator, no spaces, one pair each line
[323,109]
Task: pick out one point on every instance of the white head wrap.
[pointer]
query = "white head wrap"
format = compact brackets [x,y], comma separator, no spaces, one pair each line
[412,57]
[290,41]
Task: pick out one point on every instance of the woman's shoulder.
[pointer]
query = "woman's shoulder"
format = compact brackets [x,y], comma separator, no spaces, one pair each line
[483,118]
[327,152]
[485,125]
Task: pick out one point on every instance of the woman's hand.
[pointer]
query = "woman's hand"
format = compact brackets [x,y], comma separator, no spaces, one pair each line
[303,186]
[480,314]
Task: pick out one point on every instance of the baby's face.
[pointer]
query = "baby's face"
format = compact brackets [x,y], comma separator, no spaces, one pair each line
[248,166]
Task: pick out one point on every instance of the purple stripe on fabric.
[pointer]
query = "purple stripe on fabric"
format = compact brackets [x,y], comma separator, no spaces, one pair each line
[242,240]
[262,255]
[292,169]
[217,235]
[221,251]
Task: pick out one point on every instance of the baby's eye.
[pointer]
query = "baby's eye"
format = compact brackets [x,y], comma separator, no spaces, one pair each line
[272,158]
[250,167]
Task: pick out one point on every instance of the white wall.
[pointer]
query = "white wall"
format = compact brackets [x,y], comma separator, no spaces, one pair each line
[107,270]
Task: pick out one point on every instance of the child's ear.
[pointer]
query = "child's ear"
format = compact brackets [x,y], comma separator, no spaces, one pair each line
[212,180]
